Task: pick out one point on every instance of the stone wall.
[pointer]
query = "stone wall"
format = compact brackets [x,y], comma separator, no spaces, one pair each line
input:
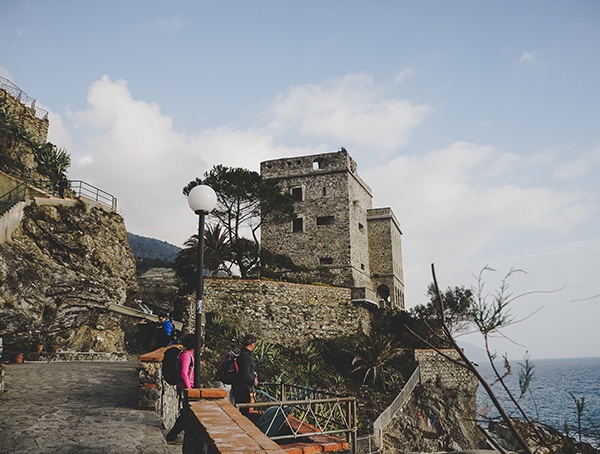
[21,158]
[358,245]
[154,393]
[286,313]
[385,254]
[437,369]
[332,202]
[26,115]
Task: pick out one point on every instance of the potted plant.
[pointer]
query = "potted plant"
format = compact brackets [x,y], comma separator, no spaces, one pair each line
[19,347]
[53,347]
[38,345]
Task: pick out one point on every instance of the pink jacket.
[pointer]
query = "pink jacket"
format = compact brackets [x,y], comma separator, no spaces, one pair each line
[187,370]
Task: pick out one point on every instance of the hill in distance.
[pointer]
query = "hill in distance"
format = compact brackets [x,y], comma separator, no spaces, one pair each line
[157,252]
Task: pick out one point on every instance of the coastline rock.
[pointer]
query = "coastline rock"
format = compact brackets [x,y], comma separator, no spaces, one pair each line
[61,268]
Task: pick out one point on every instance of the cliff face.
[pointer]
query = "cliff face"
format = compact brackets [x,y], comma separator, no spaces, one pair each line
[61,267]
[436,419]
[441,413]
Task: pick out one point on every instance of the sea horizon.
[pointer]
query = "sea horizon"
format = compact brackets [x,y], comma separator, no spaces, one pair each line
[555,386]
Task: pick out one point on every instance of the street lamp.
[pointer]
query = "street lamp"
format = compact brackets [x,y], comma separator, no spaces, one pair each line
[202,200]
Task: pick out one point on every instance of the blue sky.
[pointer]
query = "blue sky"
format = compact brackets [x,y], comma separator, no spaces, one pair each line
[476,121]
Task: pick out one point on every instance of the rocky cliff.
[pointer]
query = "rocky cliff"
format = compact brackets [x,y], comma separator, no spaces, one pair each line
[57,273]
[436,419]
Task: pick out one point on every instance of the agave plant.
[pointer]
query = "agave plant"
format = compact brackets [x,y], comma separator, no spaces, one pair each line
[265,353]
[372,356]
[52,161]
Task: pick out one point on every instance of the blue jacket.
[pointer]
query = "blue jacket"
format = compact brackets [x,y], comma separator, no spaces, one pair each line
[163,336]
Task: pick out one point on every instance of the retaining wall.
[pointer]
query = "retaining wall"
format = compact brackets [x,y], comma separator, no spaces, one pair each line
[154,393]
[435,369]
[283,312]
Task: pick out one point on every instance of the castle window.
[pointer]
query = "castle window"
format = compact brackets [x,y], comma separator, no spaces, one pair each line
[324,191]
[360,226]
[326,261]
[325,220]
[297,193]
[316,164]
[298,225]
[362,266]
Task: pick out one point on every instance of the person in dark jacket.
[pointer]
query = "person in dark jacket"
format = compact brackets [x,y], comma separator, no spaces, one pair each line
[246,377]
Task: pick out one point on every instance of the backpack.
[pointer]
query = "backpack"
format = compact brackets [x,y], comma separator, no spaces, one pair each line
[228,369]
[171,365]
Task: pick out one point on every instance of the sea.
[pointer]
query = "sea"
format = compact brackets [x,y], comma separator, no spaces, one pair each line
[548,399]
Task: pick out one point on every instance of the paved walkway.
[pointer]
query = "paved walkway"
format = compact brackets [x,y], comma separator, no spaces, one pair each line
[77,407]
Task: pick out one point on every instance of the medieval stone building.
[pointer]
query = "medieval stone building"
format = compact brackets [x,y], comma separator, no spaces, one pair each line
[336,227]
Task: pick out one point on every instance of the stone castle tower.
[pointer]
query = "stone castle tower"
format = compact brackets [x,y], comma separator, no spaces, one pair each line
[336,228]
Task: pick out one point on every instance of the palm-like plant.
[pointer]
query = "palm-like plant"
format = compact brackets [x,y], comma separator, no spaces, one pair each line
[217,249]
[217,252]
[373,355]
[52,161]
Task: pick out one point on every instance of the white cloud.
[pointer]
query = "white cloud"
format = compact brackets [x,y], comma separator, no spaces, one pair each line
[580,166]
[452,212]
[350,111]
[403,75]
[131,150]
[58,132]
[528,58]
[460,206]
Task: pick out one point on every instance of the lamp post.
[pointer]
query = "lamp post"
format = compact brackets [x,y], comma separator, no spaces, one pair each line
[202,200]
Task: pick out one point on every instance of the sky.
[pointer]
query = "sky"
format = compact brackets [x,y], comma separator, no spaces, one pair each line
[477,122]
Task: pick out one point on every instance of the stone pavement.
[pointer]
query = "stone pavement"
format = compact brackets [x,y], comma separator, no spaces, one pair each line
[84,407]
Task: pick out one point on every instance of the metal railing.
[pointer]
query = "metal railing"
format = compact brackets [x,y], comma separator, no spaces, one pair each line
[369,444]
[401,399]
[303,412]
[12,197]
[22,97]
[392,410]
[74,188]
[82,189]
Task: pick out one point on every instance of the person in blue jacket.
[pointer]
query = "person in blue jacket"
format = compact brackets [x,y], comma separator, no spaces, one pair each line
[164,334]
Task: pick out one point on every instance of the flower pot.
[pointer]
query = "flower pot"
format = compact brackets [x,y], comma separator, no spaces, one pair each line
[18,358]
[38,348]
[52,348]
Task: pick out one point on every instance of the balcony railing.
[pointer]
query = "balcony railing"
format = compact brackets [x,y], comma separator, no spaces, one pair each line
[73,188]
[15,195]
[83,189]
[289,411]
[22,97]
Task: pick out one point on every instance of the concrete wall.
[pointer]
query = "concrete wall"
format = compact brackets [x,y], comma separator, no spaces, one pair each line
[286,313]
[10,220]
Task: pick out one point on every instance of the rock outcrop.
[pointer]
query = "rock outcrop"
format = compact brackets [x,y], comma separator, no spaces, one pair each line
[57,273]
[437,419]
